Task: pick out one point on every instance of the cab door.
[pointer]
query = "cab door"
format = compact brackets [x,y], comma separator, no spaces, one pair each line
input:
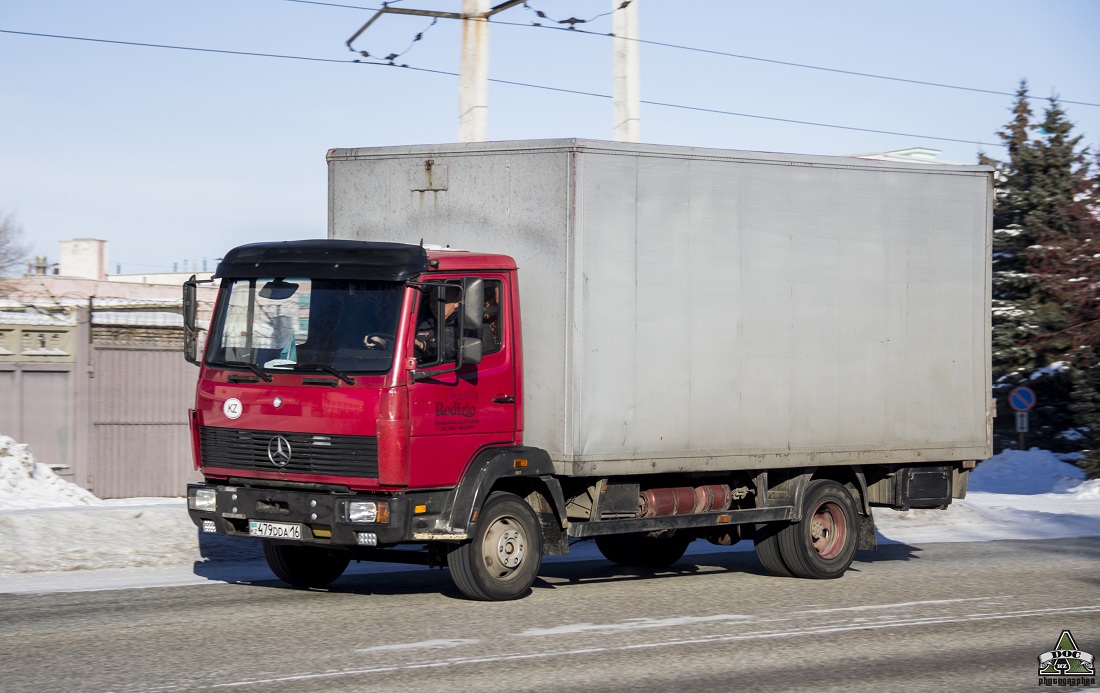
[454,415]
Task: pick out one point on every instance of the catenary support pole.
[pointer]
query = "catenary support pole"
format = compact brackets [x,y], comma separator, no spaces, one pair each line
[627,96]
[473,90]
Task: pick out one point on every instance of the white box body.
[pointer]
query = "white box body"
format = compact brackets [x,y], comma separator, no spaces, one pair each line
[689,309]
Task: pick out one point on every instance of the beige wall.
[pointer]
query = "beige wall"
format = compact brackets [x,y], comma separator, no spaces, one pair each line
[102,400]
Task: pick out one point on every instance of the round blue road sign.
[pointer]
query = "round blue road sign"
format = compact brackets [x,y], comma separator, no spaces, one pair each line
[1022,398]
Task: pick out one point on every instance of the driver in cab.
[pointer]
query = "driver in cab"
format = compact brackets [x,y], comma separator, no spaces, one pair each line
[426,342]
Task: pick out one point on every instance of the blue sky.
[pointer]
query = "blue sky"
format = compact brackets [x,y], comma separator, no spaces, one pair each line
[175,155]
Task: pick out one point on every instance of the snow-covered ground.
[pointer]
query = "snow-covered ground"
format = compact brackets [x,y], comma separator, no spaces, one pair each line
[55,536]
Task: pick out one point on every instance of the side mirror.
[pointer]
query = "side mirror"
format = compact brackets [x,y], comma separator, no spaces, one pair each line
[473,309]
[190,332]
[473,302]
[190,312]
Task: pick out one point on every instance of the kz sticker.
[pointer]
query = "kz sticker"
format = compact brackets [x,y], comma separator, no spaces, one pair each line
[232,408]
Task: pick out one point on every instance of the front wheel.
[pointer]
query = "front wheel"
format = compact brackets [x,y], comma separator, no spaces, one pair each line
[305,566]
[822,545]
[502,558]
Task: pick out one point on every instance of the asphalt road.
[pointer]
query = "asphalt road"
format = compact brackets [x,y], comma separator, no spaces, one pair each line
[942,616]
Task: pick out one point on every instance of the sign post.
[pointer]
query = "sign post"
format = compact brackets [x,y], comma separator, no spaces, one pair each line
[1022,399]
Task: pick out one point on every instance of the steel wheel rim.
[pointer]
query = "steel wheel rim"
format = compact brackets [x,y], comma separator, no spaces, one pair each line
[828,530]
[504,547]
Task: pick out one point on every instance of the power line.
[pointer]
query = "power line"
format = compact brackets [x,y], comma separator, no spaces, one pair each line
[336,4]
[805,66]
[702,109]
[528,85]
[178,48]
[572,28]
[717,111]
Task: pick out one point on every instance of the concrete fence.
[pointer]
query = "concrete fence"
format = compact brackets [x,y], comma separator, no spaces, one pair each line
[100,398]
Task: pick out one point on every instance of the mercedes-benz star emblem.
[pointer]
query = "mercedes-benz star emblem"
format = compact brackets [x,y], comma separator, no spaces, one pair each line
[278,451]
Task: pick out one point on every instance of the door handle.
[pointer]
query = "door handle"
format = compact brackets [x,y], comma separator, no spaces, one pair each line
[505,399]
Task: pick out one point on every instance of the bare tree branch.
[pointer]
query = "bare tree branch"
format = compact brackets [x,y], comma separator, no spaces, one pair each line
[12,249]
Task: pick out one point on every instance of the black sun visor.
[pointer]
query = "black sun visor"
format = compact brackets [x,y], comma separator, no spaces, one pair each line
[329,259]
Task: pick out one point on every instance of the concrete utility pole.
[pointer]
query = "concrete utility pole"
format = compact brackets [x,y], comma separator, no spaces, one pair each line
[473,89]
[627,118]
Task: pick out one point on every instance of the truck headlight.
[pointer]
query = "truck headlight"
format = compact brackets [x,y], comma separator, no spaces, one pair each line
[369,511]
[204,499]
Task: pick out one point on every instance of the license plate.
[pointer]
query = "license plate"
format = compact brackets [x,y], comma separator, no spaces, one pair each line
[274,530]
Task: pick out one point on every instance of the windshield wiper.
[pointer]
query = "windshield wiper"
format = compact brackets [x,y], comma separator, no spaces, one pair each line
[328,369]
[250,366]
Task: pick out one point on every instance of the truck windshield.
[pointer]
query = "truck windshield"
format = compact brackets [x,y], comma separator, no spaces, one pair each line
[297,323]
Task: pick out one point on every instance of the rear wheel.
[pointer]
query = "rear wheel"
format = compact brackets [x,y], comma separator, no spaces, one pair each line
[822,545]
[766,539]
[305,566]
[653,550]
[502,558]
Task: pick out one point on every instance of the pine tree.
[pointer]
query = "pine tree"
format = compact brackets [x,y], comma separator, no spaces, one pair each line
[1086,407]
[1038,222]
[1069,266]
[1014,320]
[1067,263]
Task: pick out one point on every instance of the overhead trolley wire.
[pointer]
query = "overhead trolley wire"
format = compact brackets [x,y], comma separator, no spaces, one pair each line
[787,63]
[571,27]
[178,48]
[529,85]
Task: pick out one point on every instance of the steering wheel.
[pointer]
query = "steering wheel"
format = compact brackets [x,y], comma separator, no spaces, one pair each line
[378,340]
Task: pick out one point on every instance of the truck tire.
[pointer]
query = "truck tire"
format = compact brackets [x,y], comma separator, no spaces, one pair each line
[305,566]
[643,550]
[766,540]
[822,545]
[502,558]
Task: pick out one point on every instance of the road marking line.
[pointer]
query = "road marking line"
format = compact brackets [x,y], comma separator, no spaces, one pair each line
[899,604]
[633,624]
[863,625]
[425,645]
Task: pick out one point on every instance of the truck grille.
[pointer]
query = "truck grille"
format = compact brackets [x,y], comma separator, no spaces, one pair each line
[232,448]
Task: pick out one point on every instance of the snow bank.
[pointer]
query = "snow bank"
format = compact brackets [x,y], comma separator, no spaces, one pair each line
[107,535]
[27,483]
[1018,494]
[1027,472]
[50,526]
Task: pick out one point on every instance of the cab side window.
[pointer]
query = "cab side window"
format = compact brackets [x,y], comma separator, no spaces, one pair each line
[437,324]
[437,343]
[492,322]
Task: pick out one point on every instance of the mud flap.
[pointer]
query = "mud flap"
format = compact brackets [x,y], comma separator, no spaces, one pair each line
[868,541]
[555,542]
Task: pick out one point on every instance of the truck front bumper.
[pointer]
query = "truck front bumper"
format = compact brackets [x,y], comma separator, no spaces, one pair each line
[311,517]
